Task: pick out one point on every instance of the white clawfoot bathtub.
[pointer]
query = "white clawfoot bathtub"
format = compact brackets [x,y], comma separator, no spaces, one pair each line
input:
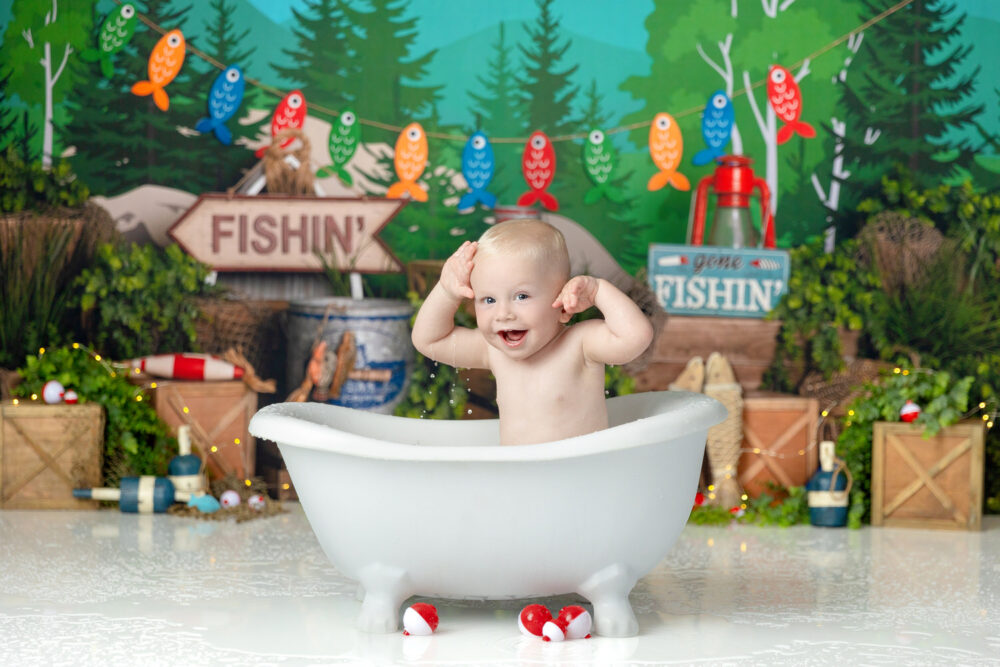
[440,509]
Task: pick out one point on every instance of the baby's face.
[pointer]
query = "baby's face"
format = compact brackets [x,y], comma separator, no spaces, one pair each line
[514,299]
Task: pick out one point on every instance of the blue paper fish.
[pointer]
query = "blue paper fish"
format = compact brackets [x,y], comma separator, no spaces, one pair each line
[223,101]
[478,166]
[716,127]
[206,503]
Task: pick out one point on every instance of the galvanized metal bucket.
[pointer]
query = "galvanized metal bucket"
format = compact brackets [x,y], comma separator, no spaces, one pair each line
[383,354]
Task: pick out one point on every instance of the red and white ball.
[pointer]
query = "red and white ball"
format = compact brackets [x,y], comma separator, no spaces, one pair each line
[554,630]
[70,397]
[577,621]
[909,412]
[532,619]
[256,502]
[52,392]
[229,498]
[420,619]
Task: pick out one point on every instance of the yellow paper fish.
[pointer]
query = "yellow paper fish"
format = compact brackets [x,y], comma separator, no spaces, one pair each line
[410,160]
[164,64]
[666,146]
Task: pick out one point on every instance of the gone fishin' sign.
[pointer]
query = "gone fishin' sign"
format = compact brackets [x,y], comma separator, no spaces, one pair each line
[711,280]
[282,233]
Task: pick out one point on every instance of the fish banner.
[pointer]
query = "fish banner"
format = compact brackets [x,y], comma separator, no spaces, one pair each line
[785,98]
[716,127]
[666,147]
[289,114]
[538,164]
[410,161]
[164,63]
[599,161]
[345,135]
[478,166]
[223,101]
[117,30]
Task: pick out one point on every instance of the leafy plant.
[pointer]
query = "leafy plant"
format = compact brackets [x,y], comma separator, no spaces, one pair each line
[436,391]
[29,187]
[826,291]
[139,300]
[970,217]
[764,510]
[136,441]
[943,400]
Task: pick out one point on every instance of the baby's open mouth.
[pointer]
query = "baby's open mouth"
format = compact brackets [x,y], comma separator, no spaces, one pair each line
[513,337]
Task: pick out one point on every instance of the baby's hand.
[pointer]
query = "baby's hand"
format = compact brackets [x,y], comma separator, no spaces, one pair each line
[577,295]
[456,271]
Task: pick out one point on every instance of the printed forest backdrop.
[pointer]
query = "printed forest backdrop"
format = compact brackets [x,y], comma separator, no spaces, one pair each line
[920,87]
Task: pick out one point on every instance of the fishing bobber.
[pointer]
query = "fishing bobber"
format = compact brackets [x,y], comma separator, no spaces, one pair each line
[577,621]
[70,397]
[184,469]
[187,367]
[256,502]
[909,412]
[142,495]
[532,620]
[420,619]
[52,392]
[229,499]
[554,630]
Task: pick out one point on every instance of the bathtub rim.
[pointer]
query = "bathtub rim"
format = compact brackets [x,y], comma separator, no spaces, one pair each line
[681,413]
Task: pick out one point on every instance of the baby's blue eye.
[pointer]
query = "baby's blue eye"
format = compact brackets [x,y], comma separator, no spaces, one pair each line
[521,297]
[488,300]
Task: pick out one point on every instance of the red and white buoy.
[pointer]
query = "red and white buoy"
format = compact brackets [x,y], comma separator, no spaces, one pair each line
[909,412]
[70,397]
[188,367]
[532,619]
[420,619]
[554,630]
[577,621]
[52,392]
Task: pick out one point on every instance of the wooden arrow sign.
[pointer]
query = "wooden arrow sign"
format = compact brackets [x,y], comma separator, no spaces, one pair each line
[284,233]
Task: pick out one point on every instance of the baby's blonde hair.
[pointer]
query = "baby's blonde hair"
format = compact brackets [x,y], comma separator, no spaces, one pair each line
[532,239]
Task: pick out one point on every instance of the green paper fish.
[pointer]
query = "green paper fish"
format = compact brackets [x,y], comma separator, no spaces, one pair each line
[116,32]
[599,159]
[345,135]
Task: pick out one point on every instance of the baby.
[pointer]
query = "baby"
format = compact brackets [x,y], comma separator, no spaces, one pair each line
[550,377]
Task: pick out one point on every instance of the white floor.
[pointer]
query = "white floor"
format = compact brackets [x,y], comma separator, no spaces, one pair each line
[80,588]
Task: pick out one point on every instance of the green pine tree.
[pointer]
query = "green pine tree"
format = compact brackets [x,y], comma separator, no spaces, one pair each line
[122,140]
[321,55]
[548,96]
[382,74]
[499,113]
[8,116]
[905,94]
[218,166]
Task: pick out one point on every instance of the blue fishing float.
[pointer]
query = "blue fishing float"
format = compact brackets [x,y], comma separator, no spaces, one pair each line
[137,495]
[829,489]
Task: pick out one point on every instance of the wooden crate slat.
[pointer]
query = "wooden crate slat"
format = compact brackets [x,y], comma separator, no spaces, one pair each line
[783,424]
[48,450]
[934,482]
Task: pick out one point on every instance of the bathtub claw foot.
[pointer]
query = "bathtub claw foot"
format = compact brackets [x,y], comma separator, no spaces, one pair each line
[608,591]
[385,589]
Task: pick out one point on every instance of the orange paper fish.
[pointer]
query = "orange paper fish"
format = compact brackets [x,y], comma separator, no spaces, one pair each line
[289,114]
[164,63]
[666,146]
[410,160]
[786,99]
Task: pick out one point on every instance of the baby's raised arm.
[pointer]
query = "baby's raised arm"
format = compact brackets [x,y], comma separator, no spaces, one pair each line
[434,332]
[625,331]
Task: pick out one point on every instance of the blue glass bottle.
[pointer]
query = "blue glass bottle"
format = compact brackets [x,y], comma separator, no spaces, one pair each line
[829,490]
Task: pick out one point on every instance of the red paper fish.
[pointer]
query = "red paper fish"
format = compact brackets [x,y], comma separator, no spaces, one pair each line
[786,99]
[539,167]
[290,113]
[164,63]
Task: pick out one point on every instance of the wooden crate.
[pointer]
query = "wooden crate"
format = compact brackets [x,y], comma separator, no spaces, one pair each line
[219,415]
[46,451]
[934,482]
[779,424]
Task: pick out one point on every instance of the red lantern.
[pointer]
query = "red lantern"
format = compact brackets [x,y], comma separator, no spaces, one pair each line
[733,183]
